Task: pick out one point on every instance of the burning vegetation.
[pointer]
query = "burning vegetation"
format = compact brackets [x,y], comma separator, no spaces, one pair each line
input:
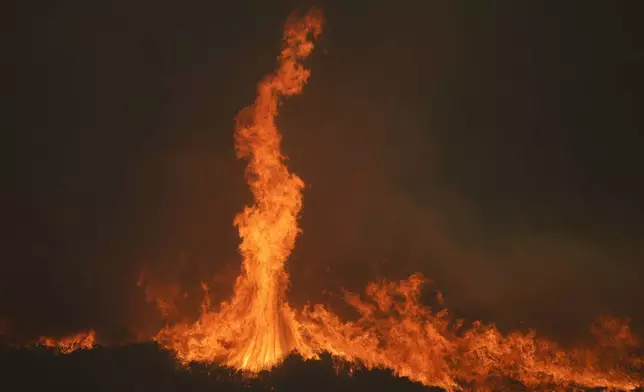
[68,344]
[257,329]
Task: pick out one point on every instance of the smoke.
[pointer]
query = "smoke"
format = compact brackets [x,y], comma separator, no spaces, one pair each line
[450,141]
[452,157]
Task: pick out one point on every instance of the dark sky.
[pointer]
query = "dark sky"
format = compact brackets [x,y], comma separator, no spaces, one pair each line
[494,146]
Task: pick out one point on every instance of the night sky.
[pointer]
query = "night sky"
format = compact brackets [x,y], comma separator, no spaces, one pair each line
[494,146]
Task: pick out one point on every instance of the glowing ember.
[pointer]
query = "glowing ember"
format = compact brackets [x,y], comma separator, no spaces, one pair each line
[68,344]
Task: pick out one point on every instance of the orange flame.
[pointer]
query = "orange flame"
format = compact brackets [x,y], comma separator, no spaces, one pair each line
[68,344]
[396,331]
[256,329]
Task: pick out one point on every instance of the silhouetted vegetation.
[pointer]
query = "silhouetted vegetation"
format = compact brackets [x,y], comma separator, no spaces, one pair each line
[145,367]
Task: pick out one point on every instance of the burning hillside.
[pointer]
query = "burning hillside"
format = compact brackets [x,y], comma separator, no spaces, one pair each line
[256,330]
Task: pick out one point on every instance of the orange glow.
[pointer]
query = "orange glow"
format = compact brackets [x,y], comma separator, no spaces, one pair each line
[163,295]
[396,331]
[68,344]
[256,328]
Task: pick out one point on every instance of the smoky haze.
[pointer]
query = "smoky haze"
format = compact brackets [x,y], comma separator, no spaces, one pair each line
[494,148]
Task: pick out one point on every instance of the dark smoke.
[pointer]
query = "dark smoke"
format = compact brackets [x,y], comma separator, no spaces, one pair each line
[492,147]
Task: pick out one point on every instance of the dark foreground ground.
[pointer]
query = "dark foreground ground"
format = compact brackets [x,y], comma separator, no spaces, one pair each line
[144,367]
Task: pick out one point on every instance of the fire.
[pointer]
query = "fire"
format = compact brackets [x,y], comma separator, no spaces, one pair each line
[68,344]
[396,331]
[256,328]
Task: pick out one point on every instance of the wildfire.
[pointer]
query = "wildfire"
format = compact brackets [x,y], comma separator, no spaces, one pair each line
[256,328]
[396,331]
[68,344]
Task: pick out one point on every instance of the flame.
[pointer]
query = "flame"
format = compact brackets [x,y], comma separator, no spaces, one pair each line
[256,328]
[71,343]
[396,331]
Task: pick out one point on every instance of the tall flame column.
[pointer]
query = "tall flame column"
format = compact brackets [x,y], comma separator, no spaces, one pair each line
[256,329]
